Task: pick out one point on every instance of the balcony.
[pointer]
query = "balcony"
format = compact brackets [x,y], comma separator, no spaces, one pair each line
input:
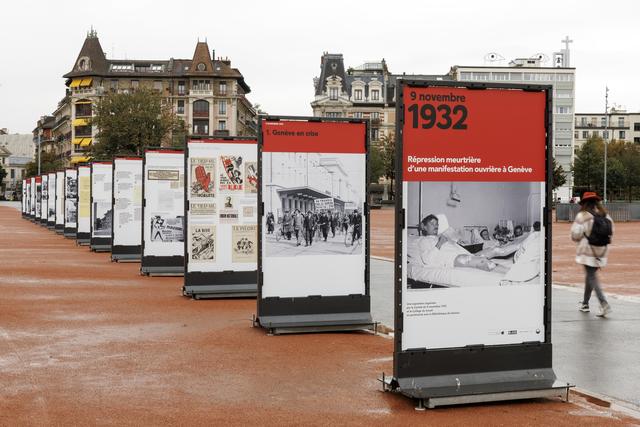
[221,133]
[201,92]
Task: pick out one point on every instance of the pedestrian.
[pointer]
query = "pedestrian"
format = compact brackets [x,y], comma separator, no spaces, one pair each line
[270,223]
[287,225]
[592,231]
[345,222]
[334,223]
[323,222]
[297,225]
[356,221]
[309,228]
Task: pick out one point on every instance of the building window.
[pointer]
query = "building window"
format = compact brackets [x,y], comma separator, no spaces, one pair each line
[357,115]
[636,140]
[222,125]
[223,88]
[564,77]
[157,85]
[333,114]
[201,108]
[563,110]
[180,109]
[201,127]
[333,93]
[135,84]
[13,173]
[465,76]
[595,134]
[222,107]
[583,121]
[500,76]
[605,134]
[357,94]
[603,121]
[375,134]
[181,88]
[620,122]
[576,135]
[83,131]
[636,127]
[83,110]
[622,134]
[585,134]
[374,115]
[114,85]
[375,95]
[480,76]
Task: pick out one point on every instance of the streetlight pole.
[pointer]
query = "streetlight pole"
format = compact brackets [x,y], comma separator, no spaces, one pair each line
[38,152]
[606,139]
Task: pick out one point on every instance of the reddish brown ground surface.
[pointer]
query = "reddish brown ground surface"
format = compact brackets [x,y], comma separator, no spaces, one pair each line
[84,341]
[621,276]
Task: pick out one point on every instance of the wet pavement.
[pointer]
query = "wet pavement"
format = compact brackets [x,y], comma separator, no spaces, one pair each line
[86,341]
[599,355]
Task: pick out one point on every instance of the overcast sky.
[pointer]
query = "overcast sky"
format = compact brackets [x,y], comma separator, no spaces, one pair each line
[277,45]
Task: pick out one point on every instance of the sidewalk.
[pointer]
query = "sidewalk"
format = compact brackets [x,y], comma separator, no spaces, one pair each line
[85,341]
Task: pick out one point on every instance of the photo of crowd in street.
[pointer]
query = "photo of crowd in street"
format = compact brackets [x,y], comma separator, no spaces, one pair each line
[313,203]
[453,243]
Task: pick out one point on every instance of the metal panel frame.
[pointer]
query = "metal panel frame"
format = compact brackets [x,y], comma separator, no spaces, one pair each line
[314,313]
[414,370]
[99,244]
[123,253]
[218,284]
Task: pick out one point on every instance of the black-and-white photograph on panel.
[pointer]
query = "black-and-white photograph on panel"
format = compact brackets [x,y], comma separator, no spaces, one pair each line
[70,201]
[38,198]
[313,204]
[51,199]
[32,198]
[495,242]
[127,208]
[59,216]
[163,209]
[44,199]
[27,196]
[101,214]
[222,200]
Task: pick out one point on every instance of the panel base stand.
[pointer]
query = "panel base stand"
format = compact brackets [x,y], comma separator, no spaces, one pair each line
[221,291]
[446,390]
[162,271]
[125,257]
[296,324]
[101,248]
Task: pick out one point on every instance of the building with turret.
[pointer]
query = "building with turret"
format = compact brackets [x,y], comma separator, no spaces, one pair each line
[205,91]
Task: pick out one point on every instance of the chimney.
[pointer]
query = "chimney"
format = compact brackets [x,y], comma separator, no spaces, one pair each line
[213,54]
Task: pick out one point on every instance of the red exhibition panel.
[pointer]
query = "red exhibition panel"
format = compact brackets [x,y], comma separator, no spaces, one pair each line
[313,137]
[460,134]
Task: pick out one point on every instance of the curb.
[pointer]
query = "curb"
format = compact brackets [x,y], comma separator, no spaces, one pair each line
[626,408]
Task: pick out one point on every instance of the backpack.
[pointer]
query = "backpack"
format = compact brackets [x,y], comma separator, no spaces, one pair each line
[601,231]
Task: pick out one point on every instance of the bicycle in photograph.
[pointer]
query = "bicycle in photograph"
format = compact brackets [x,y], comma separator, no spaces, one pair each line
[348,238]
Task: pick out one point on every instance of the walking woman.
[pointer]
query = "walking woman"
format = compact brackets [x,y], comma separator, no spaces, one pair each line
[592,230]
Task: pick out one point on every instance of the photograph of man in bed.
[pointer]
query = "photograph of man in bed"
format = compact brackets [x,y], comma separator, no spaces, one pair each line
[440,251]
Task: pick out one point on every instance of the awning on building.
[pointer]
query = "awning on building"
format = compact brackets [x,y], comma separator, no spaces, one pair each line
[75,160]
[77,141]
[86,82]
[80,122]
[75,83]
[310,194]
[83,102]
[85,142]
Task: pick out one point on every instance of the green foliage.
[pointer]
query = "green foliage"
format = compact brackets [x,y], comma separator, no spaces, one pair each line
[376,163]
[49,162]
[3,174]
[129,122]
[388,151]
[559,177]
[623,168]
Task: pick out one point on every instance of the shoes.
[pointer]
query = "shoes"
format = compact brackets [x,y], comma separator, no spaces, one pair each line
[604,310]
[583,308]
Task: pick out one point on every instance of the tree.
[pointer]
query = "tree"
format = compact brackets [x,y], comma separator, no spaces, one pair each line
[49,162]
[559,178]
[376,163]
[388,151]
[588,165]
[3,174]
[129,122]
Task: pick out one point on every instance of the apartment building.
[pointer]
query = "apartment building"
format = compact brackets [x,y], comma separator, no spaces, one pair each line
[621,125]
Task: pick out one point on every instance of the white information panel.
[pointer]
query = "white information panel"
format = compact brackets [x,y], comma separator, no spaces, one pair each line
[222,198]
[25,196]
[70,199]
[101,182]
[44,199]
[163,222]
[84,200]
[51,198]
[127,206]
[32,197]
[59,217]
[38,198]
